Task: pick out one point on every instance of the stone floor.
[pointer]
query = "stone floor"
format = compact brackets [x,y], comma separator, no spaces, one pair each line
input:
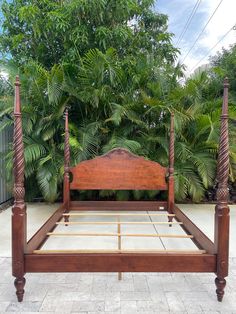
[103,293]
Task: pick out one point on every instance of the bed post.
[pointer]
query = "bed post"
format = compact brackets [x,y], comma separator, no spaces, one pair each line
[66,185]
[171,188]
[19,207]
[222,209]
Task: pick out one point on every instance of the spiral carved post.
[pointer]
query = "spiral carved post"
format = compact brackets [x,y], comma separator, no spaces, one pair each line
[66,187]
[171,188]
[222,209]
[19,207]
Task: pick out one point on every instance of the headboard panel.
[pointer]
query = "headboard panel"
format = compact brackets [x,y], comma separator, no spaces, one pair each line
[118,170]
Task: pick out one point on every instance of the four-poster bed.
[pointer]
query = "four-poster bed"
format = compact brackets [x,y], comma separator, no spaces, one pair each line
[119,170]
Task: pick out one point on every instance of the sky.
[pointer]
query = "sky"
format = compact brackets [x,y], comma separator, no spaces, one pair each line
[223,20]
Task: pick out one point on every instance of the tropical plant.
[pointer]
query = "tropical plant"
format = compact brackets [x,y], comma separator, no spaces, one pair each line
[52,32]
[117,76]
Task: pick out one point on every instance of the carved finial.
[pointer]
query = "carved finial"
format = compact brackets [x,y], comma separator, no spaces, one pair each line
[226,82]
[225,99]
[17,106]
[17,82]
[66,119]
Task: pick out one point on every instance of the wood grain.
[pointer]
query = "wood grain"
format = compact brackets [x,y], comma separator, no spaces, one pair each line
[200,239]
[118,170]
[118,205]
[121,223]
[95,234]
[169,251]
[123,262]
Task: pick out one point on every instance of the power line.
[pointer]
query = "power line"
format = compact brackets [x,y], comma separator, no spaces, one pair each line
[209,51]
[202,31]
[194,10]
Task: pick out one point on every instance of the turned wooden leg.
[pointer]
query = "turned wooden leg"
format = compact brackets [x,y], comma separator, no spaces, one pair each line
[220,285]
[19,284]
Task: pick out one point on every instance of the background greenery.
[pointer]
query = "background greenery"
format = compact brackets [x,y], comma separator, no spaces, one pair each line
[112,62]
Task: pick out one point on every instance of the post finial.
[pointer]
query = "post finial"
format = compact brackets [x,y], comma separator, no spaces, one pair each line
[17,81]
[66,119]
[226,82]
[17,106]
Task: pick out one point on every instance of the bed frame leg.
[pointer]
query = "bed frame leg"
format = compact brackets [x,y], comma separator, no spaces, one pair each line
[20,284]
[222,209]
[19,234]
[220,286]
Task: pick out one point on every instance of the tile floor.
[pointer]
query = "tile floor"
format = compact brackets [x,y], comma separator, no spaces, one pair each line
[103,293]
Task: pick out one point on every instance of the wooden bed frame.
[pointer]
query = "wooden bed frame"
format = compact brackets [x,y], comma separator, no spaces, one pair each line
[119,170]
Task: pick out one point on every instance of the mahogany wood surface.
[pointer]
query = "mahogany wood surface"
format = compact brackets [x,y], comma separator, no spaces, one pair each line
[123,262]
[118,205]
[19,232]
[171,185]
[66,178]
[118,170]
[200,239]
[116,214]
[41,235]
[118,251]
[222,195]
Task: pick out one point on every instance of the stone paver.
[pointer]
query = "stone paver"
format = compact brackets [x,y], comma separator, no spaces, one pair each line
[91,293]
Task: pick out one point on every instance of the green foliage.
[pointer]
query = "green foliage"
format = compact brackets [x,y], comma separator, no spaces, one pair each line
[112,63]
[52,32]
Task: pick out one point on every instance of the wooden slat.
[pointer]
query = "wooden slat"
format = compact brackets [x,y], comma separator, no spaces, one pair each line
[123,262]
[122,223]
[199,238]
[118,205]
[40,236]
[116,214]
[169,251]
[75,234]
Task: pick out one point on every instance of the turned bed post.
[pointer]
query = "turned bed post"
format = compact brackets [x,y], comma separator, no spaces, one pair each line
[66,183]
[171,188]
[19,207]
[222,209]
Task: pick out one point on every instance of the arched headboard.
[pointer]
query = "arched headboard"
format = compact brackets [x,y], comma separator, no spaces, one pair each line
[118,169]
